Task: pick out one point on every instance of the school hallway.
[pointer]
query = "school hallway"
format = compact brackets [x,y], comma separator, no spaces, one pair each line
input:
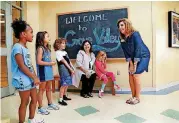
[109,109]
[157,25]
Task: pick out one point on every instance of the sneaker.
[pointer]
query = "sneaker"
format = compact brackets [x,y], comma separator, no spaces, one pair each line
[52,107]
[66,98]
[36,121]
[116,87]
[43,111]
[63,103]
[100,94]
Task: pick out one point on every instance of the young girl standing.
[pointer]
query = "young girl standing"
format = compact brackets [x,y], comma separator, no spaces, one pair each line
[65,68]
[102,73]
[24,78]
[44,71]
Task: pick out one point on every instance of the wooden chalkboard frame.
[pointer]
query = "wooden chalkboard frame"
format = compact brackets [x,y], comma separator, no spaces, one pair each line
[76,12]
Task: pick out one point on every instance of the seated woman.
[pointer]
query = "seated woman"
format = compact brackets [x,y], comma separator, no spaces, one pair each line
[84,69]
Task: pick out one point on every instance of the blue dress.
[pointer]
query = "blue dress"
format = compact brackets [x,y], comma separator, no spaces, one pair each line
[134,49]
[45,72]
[20,80]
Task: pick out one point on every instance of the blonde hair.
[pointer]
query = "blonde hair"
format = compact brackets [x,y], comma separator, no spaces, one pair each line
[128,27]
[100,53]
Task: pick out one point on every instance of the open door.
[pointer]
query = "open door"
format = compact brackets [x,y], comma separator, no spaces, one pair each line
[5,47]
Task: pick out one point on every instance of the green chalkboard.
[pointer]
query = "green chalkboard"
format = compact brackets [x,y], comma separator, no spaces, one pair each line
[99,27]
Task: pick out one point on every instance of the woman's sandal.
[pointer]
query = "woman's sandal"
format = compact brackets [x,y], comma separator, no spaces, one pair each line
[129,100]
[135,101]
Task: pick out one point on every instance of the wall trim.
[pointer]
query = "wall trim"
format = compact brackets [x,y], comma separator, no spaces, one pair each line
[163,90]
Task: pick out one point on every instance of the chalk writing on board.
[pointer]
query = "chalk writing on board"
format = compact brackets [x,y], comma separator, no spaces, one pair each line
[99,27]
[85,18]
[102,39]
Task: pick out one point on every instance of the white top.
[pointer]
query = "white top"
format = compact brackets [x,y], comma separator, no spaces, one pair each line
[59,57]
[83,60]
[60,54]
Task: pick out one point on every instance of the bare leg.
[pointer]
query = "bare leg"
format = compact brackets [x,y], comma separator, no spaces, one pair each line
[48,92]
[132,86]
[137,85]
[24,95]
[65,91]
[62,89]
[33,103]
[40,93]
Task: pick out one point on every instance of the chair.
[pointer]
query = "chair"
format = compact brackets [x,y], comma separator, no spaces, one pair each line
[112,87]
[56,79]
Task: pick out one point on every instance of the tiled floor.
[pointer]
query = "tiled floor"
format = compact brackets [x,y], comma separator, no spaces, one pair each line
[129,118]
[109,109]
[87,110]
[171,113]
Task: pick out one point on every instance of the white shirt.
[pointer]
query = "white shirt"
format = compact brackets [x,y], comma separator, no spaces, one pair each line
[83,61]
[60,54]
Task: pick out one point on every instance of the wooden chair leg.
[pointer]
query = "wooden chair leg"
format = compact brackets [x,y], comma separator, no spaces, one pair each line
[59,85]
[53,86]
[113,90]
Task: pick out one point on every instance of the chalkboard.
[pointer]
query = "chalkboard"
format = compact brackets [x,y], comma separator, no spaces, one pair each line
[99,27]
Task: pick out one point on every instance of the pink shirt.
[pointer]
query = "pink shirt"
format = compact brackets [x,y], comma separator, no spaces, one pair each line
[100,68]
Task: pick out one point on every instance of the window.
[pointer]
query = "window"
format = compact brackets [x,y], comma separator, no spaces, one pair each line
[17,3]
[16,14]
[3,29]
[4,75]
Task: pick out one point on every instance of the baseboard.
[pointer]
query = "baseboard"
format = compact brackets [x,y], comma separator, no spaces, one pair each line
[164,90]
[171,84]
